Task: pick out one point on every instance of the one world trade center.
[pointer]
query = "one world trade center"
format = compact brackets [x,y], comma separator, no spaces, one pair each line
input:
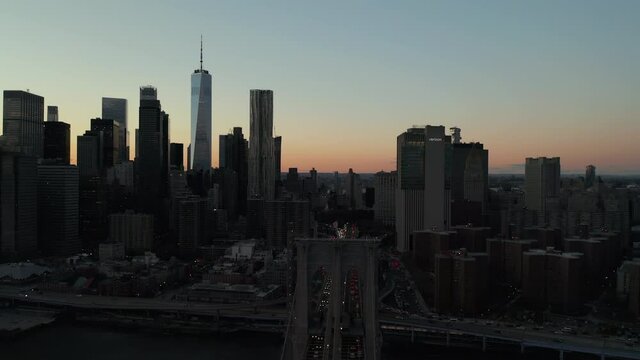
[200,149]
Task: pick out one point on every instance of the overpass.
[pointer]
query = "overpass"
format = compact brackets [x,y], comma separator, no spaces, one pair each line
[486,336]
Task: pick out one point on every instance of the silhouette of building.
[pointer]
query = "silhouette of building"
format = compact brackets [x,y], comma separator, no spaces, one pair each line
[134,230]
[384,207]
[116,109]
[284,220]
[176,157]
[89,154]
[233,156]
[109,130]
[262,165]
[18,203]
[542,185]
[149,163]
[436,189]
[590,176]
[410,186]
[58,209]
[57,141]
[200,118]
[23,121]
[277,156]
[461,282]
[52,113]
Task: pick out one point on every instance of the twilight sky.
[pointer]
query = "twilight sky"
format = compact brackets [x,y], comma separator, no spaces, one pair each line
[526,78]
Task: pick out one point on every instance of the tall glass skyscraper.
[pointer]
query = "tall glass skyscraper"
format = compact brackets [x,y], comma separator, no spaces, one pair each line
[262,165]
[200,118]
[116,109]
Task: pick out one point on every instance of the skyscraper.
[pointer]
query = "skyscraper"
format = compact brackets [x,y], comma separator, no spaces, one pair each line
[590,176]
[116,109]
[18,203]
[435,200]
[542,184]
[23,118]
[58,209]
[277,155]
[233,155]
[176,156]
[410,185]
[150,149]
[110,140]
[52,113]
[57,141]
[262,165]
[200,118]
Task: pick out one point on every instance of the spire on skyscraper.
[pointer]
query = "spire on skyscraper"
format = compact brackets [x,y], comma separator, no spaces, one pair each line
[200,52]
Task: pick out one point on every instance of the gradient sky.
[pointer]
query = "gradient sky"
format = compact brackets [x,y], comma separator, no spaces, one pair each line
[526,78]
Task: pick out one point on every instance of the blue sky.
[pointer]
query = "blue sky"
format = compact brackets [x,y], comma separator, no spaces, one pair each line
[526,78]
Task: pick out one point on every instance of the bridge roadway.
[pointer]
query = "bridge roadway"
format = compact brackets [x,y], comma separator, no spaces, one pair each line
[524,338]
[268,309]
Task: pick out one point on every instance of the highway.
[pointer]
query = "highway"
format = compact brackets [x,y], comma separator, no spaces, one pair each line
[130,303]
[525,337]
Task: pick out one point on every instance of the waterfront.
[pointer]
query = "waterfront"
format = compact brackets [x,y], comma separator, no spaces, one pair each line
[72,340]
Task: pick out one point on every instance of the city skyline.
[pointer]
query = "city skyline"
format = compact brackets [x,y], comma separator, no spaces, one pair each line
[559,84]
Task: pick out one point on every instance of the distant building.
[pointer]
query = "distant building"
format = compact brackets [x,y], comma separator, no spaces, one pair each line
[201,141]
[461,282]
[410,186]
[116,109]
[52,113]
[58,209]
[109,131]
[134,230]
[193,224]
[233,155]
[89,154]
[111,251]
[18,203]
[553,279]
[176,157]
[285,220]
[590,176]
[384,207]
[628,285]
[542,186]
[277,156]
[23,120]
[262,165]
[57,141]
[151,153]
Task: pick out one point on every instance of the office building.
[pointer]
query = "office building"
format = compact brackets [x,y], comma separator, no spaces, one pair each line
[461,282]
[284,220]
[89,154]
[57,141]
[436,201]
[58,209]
[194,218]
[384,207]
[116,109]
[262,165]
[109,131]
[553,279]
[176,156]
[410,186]
[18,203]
[233,155]
[426,244]
[149,163]
[469,183]
[542,186]
[52,113]
[590,176]
[277,156]
[201,118]
[23,120]
[134,230]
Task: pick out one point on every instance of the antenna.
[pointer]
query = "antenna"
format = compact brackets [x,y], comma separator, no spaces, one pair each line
[200,52]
